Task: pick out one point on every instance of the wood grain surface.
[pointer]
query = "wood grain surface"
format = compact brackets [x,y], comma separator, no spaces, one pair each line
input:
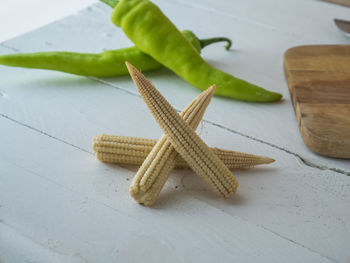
[339,2]
[318,78]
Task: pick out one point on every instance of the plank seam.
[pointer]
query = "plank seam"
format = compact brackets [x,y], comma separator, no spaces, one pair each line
[247,21]
[43,133]
[302,159]
[8,47]
[298,244]
[263,227]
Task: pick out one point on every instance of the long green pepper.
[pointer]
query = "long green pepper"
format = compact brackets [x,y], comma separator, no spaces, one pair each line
[154,34]
[109,63]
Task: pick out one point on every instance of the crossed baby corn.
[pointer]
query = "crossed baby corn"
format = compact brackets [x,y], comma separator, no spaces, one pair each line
[184,140]
[155,170]
[179,139]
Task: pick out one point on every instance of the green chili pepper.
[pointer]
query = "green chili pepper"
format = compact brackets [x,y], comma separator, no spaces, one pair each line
[109,63]
[153,33]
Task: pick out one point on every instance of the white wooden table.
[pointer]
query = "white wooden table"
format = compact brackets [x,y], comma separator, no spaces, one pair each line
[59,204]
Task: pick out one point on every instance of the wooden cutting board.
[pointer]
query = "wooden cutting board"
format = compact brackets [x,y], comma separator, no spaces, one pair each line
[318,78]
[339,2]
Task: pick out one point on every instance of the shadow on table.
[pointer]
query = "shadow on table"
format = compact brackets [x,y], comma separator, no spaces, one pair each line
[185,184]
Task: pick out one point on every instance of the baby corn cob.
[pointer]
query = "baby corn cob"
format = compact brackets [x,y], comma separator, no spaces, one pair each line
[185,141]
[134,150]
[122,149]
[156,169]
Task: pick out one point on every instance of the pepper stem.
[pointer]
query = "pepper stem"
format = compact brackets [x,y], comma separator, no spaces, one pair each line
[208,41]
[111,3]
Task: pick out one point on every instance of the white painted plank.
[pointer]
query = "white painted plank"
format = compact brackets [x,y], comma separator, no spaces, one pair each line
[312,20]
[78,210]
[73,109]
[25,15]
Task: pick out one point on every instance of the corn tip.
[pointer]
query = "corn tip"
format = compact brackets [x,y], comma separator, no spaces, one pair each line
[212,88]
[134,73]
[268,160]
[133,190]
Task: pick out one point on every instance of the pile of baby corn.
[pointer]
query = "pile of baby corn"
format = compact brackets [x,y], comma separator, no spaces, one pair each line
[179,147]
